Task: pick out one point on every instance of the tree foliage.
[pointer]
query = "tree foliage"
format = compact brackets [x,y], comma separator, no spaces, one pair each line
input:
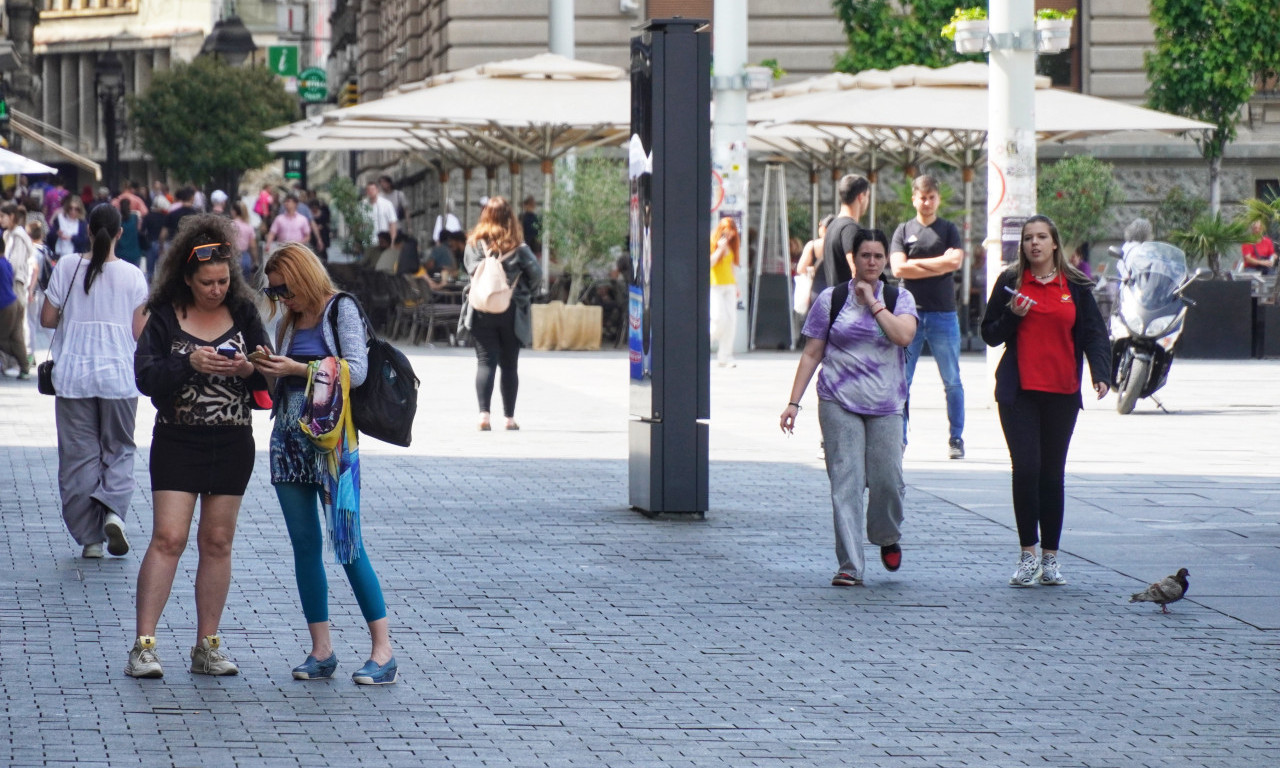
[203,120]
[1207,57]
[1209,237]
[1175,211]
[887,33]
[588,216]
[1078,193]
[346,199]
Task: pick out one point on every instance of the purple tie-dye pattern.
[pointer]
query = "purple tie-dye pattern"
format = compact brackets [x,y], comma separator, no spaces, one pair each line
[862,371]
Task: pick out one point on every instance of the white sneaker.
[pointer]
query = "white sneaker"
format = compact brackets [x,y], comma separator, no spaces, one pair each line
[117,543]
[91,551]
[143,661]
[207,658]
[1050,573]
[1028,570]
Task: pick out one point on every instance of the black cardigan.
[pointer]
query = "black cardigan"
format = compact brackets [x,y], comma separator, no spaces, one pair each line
[159,373]
[1089,334]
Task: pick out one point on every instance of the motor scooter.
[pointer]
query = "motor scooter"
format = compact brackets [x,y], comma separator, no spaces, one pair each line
[1148,320]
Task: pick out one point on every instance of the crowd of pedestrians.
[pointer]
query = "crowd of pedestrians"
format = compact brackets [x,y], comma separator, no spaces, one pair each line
[198,344]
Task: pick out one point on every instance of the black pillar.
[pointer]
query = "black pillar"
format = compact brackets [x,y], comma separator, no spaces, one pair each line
[109,128]
[670,164]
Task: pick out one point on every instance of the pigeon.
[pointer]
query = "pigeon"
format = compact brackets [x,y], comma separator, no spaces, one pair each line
[1171,589]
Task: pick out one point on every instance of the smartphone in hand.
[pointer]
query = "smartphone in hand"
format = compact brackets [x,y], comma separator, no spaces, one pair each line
[258,355]
[227,352]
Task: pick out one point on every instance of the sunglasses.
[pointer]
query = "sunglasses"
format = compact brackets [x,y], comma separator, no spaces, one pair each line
[278,292]
[206,252]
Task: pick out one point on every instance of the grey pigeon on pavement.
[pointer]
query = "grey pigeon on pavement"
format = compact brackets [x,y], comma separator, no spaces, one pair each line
[1170,589]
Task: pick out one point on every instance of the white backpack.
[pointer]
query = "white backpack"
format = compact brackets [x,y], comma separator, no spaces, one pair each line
[490,292]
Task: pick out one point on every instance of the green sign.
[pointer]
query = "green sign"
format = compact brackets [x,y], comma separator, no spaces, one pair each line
[283,60]
[313,84]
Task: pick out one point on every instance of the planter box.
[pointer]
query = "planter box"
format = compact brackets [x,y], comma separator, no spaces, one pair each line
[1266,328]
[971,36]
[560,326]
[1220,326]
[1053,35]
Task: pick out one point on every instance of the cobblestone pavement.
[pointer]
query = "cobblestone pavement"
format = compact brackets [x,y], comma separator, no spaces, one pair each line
[538,621]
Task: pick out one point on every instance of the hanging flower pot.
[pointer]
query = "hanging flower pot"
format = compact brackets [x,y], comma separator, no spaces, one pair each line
[971,36]
[1052,35]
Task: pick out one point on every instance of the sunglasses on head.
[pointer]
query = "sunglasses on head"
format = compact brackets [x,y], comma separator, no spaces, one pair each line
[206,252]
[278,292]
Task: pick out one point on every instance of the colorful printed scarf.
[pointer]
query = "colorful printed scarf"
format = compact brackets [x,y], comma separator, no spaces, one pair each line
[326,420]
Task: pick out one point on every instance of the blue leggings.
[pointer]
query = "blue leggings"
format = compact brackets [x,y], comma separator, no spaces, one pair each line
[301,505]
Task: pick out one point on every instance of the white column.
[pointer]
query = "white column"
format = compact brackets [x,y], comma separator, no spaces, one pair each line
[560,37]
[1011,130]
[729,147]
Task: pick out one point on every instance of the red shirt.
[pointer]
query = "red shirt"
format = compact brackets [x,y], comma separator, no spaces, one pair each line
[1262,250]
[1046,351]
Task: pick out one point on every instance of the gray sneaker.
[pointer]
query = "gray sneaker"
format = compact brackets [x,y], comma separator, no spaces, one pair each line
[143,661]
[117,542]
[955,448]
[1050,572]
[1028,570]
[91,551]
[207,658]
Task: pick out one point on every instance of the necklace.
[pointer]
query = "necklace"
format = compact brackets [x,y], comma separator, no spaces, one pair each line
[1046,277]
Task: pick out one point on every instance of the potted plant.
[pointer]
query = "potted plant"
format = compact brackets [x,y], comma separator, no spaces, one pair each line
[347,200]
[968,28]
[1220,324]
[586,221]
[1053,30]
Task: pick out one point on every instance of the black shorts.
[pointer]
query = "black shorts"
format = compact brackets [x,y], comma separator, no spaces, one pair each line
[215,460]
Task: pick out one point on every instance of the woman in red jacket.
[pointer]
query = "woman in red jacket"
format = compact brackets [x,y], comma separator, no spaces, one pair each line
[1043,311]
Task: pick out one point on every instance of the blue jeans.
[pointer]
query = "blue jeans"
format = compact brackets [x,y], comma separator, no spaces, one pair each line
[942,330]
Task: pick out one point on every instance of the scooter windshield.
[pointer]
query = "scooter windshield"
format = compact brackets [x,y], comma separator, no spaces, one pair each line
[1155,271]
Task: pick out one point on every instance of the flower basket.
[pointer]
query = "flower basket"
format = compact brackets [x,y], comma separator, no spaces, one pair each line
[971,36]
[1052,35]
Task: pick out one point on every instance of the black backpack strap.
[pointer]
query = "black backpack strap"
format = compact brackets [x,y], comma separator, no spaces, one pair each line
[839,296]
[333,319]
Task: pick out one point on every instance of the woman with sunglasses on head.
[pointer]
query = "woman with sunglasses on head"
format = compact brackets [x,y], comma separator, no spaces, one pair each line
[1043,311]
[499,336]
[192,361]
[96,302]
[298,282]
[68,232]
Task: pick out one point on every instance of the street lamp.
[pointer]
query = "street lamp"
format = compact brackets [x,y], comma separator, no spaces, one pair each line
[229,41]
[109,83]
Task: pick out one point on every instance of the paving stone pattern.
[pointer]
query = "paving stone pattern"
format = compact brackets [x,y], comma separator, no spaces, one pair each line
[537,621]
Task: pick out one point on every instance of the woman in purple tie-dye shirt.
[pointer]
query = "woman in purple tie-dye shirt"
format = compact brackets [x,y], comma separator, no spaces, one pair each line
[862,389]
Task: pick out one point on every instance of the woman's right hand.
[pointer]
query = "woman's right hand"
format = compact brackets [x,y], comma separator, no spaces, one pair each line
[788,422]
[206,360]
[1019,305]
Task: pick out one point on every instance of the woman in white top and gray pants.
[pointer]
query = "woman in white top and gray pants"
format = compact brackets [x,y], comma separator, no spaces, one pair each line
[96,303]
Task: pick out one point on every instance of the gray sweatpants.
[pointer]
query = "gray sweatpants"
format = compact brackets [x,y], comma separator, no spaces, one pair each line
[863,452]
[95,462]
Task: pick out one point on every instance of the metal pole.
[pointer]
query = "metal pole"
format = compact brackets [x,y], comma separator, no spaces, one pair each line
[966,274]
[561,40]
[466,198]
[729,153]
[1011,131]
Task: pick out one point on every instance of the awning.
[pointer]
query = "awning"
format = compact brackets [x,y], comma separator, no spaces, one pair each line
[74,157]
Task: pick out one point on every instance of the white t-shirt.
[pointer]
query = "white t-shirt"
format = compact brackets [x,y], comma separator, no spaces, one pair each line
[445,221]
[94,344]
[383,214]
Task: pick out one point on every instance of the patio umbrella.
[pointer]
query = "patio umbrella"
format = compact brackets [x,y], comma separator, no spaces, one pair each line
[14,163]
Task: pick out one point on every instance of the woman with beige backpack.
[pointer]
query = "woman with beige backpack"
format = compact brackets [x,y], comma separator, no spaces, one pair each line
[505,275]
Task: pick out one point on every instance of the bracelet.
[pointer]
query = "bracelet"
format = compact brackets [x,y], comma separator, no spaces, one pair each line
[798,407]
[878,311]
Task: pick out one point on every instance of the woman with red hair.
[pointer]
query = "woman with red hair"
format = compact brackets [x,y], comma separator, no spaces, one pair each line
[725,245]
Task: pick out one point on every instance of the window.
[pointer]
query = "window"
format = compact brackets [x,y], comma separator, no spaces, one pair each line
[65,9]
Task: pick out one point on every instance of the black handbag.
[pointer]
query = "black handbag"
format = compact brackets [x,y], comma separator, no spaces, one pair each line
[44,371]
[383,406]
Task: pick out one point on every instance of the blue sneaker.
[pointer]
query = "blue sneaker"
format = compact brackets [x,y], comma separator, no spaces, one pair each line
[373,674]
[314,669]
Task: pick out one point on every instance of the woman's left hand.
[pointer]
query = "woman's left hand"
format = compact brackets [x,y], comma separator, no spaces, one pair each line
[866,292]
[1101,388]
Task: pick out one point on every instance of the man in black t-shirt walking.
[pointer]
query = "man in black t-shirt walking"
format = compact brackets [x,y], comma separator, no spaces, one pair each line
[837,245]
[924,254]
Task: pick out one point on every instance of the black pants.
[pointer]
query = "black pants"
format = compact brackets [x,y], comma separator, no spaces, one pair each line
[1038,427]
[496,347]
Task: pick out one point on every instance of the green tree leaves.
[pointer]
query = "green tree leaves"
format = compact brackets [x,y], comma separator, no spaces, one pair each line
[203,121]
[887,33]
[588,216]
[1078,193]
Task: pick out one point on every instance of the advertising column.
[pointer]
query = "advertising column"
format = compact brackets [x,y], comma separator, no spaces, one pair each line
[670,181]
